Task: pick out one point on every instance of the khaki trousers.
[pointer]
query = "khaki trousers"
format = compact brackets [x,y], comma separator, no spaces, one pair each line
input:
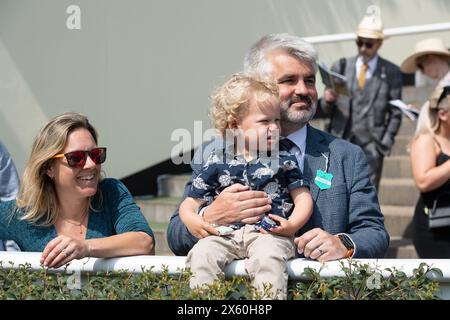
[265,255]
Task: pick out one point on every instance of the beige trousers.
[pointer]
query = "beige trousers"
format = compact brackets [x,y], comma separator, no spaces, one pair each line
[265,255]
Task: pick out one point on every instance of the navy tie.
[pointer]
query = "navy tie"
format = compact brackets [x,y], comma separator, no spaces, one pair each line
[286,144]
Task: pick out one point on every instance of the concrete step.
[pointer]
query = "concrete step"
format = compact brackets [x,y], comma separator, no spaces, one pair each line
[401,248]
[397,167]
[398,192]
[397,220]
[172,185]
[416,95]
[160,232]
[158,210]
[407,128]
[400,147]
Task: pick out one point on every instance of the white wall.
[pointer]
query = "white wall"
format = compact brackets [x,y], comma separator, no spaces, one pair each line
[142,68]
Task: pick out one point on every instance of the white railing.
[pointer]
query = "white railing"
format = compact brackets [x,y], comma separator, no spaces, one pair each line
[435,27]
[176,264]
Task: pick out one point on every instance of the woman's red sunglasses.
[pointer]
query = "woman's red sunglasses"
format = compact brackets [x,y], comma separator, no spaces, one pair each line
[77,159]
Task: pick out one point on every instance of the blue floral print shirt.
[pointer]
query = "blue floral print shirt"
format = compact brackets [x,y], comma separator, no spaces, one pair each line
[276,176]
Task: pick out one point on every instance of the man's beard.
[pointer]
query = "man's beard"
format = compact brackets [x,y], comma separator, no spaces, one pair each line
[301,117]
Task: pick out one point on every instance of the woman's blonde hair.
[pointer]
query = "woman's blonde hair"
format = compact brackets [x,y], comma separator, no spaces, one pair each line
[428,121]
[37,194]
[231,101]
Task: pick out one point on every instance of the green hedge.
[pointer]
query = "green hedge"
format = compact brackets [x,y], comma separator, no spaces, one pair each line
[361,282]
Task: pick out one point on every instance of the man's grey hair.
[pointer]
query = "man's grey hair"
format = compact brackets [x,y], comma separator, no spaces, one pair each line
[255,61]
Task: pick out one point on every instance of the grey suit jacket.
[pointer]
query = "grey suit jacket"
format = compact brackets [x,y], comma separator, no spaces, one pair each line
[349,206]
[384,120]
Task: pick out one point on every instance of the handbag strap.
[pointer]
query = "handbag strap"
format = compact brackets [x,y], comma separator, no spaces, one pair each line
[437,198]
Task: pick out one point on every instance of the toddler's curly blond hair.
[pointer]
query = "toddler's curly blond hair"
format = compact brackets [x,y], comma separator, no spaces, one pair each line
[231,101]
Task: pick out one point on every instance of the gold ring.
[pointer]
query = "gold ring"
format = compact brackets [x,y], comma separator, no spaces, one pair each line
[64,253]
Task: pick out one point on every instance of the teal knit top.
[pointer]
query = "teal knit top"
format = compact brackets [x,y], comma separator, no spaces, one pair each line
[116,213]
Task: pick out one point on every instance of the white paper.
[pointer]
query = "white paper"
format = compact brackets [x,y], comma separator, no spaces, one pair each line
[407,110]
[333,80]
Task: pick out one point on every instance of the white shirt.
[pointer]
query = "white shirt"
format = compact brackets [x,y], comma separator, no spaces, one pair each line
[299,138]
[371,66]
[445,81]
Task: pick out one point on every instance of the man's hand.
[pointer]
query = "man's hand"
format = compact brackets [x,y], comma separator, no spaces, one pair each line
[330,96]
[319,245]
[237,203]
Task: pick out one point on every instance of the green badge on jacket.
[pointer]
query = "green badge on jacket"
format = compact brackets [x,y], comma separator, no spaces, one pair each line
[323,180]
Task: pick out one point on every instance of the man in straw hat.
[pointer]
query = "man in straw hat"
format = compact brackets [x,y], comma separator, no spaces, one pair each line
[365,118]
[432,58]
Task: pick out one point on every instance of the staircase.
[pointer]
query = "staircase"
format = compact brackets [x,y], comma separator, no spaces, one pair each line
[158,210]
[397,194]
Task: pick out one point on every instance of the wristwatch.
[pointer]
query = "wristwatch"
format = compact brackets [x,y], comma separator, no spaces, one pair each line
[348,243]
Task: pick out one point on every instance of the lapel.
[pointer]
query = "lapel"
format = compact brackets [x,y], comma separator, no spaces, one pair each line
[314,160]
[350,71]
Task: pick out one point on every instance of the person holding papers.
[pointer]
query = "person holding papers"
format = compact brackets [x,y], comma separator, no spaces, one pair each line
[365,117]
[408,109]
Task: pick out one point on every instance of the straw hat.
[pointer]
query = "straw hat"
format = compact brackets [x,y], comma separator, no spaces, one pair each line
[371,26]
[424,47]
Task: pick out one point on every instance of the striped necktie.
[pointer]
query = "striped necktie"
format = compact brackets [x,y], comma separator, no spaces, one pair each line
[286,144]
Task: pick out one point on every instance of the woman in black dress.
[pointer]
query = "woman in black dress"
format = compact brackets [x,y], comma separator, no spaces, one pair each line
[430,157]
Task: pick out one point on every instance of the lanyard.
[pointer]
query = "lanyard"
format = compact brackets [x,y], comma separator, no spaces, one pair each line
[326,162]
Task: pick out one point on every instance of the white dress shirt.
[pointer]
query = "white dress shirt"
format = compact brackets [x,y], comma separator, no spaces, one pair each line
[371,66]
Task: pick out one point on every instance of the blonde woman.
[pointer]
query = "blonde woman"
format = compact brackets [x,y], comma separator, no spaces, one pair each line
[430,157]
[64,208]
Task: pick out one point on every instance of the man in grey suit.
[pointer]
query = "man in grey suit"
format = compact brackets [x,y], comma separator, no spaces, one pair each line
[346,220]
[366,118]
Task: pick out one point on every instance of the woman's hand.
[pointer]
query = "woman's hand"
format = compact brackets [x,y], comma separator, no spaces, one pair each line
[62,250]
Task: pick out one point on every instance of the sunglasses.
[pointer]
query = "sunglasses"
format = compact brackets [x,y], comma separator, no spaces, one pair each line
[77,159]
[445,92]
[361,43]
